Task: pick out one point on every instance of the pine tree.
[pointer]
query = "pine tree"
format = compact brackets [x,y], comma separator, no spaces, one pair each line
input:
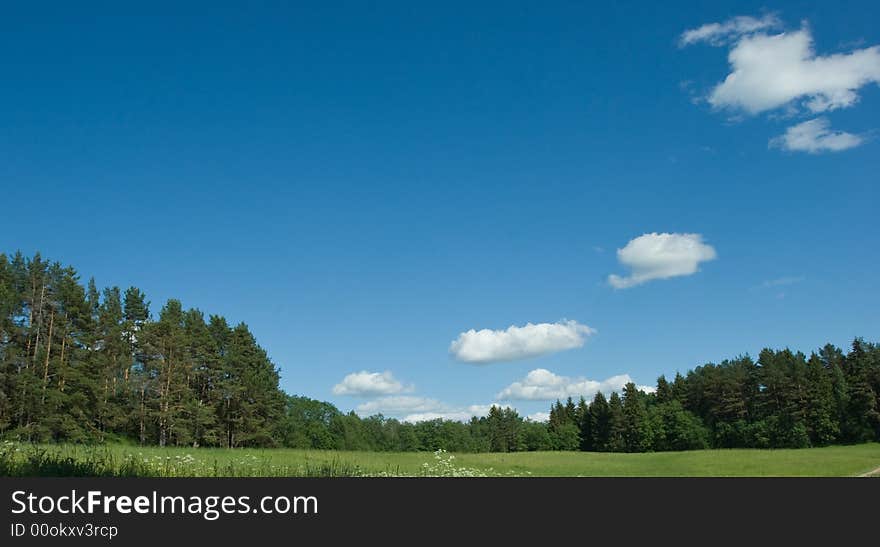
[616,425]
[862,415]
[600,422]
[584,425]
[637,428]
[168,362]
[664,390]
[253,402]
[822,427]
[205,373]
[679,388]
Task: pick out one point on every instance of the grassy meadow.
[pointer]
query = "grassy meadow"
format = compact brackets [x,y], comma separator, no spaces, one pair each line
[118,460]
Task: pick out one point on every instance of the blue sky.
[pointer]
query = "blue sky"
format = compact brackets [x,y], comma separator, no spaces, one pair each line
[361,184]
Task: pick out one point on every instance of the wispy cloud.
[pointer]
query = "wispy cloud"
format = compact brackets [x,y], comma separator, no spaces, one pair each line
[514,343]
[661,256]
[781,281]
[718,34]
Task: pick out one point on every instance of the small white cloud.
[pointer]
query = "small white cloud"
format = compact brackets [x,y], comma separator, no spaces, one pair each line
[661,256]
[815,136]
[721,33]
[531,340]
[366,383]
[543,385]
[540,417]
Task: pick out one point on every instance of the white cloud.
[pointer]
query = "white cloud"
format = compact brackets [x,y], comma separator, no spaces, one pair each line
[397,405]
[428,416]
[483,410]
[488,346]
[370,384]
[782,71]
[815,136]
[543,385]
[661,256]
[720,33]
[539,417]
[459,415]
[419,409]
[770,71]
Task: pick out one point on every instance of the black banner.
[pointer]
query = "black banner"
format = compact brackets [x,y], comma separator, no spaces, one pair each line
[71,511]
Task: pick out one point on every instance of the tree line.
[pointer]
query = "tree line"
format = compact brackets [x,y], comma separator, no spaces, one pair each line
[82,365]
[783,400]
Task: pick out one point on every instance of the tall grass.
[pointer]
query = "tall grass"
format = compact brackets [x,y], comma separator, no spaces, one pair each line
[113,460]
[19,460]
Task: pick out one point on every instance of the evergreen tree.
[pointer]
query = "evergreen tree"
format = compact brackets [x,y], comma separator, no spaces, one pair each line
[637,434]
[585,424]
[664,390]
[862,417]
[616,425]
[600,422]
[822,427]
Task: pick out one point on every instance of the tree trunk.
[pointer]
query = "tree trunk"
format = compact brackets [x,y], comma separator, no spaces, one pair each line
[61,364]
[165,404]
[143,431]
[46,364]
[39,324]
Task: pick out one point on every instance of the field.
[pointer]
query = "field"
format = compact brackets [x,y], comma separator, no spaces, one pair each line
[118,460]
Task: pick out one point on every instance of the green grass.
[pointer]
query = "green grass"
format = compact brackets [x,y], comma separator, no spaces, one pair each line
[118,460]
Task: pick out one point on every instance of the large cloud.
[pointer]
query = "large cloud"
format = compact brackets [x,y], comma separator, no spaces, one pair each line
[661,256]
[782,70]
[543,385]
[369,384]
[815,136]
[531,340]
[770,71]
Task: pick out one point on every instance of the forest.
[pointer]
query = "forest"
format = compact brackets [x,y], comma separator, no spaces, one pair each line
[83,365]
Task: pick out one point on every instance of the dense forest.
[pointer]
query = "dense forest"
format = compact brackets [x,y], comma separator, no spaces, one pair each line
[79,364]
